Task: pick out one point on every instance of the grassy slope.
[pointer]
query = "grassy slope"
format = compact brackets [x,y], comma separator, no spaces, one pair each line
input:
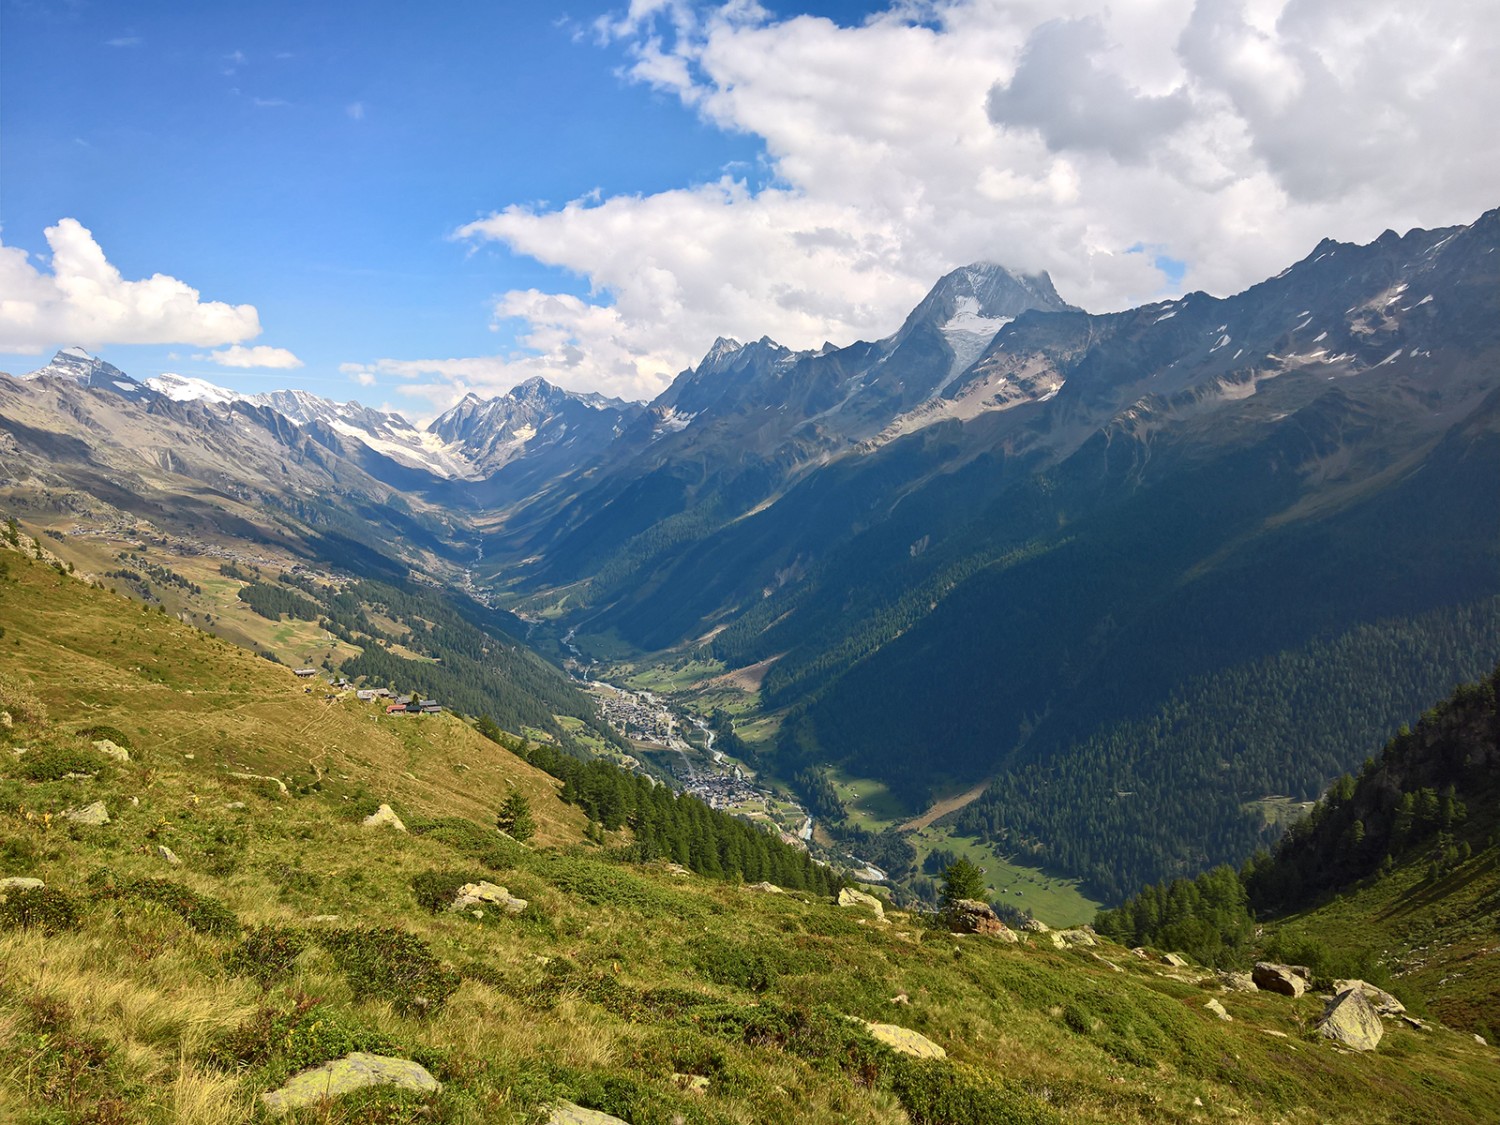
[613,980]
[1439,935]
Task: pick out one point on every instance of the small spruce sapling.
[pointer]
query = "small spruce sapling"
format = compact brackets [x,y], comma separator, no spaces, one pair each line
[961,879]
[515,817]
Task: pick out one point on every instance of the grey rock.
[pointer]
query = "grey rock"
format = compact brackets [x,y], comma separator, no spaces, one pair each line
[1176,960]
[1218,1009]
[767,888]
[473,894]
[1235,982]
[905,1040]
[850,897]
[970,916]
[567,1113]
[384,817]
[1381,1000]
[1281,979]
[93,814]
[112,750]
[168,854]
[1351,1019]
[342,1076]
[20,883]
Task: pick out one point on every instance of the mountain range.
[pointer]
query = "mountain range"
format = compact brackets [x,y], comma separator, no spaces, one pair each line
[1013,544]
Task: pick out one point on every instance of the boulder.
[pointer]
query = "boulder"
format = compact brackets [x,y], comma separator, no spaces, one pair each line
[342,1076]
[1381,1000]
[168,854]
[1271,977]
[566,1113]
[1351,1019]
[767,888]
[1034,926]
[93,814]
[1176,960]
[905,1040]
[1218,1009]
[850,897]
[112,750]
[1079,938]
[678,870]
[970,916]
[20,883]
[1232,981]
[384,817]
[487,893]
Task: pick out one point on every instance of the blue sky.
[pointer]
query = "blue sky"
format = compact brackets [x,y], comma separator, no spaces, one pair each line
[403,202]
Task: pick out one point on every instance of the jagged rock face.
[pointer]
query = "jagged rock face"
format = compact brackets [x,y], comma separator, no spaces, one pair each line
[1351,1019]
[75,365]
[534,416]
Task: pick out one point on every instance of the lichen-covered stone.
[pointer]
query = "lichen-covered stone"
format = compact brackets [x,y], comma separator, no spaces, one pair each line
[91,815]
[112,750]
[343,1076]
[1381,1000]
[848,896]
[566,1113]
[906,1041]
[384,817]
[472,894]
[1280,979]
[1218,1009]
[1351,1019]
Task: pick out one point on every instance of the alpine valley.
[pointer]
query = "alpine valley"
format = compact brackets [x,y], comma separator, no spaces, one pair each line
[1082,604]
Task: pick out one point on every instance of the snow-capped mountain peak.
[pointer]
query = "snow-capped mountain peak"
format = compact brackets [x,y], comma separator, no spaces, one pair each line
[185,388]
[77,366]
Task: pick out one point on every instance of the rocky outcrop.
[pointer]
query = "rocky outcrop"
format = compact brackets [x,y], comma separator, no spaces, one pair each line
[1351,1019]
[384,817]
[970,916]
[1175,960]
[1381,1000]
[1281,979]
[342,1076]
[767,888]
[1034,926]
[848,896]
[473,896]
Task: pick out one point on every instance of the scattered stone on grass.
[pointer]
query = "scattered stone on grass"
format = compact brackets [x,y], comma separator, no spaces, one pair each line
[1232,981]
[848,896]
[384,817]
[567,1113]
[168,854]
[1218,1009]
[767,888]
[472,894]
[354,1071]
[112,750]
[20,883]
[92,815]
[905,1040]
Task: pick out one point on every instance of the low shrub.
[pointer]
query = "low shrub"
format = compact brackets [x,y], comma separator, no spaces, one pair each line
[436,890]
[390,964]
[266,953]
[482,844]
[287,1040]
[941,1093]
[736,965]
[201,913]
[43,908]
[113,734]
[53,763]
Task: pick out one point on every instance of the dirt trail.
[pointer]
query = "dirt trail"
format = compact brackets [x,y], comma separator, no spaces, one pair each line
[944,807]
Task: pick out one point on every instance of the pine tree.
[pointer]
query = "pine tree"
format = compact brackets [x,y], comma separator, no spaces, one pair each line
[515,817]
[962,880]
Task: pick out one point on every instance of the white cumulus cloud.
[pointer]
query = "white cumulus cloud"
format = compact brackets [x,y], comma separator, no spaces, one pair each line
[259,356]
[1065,135]
[82,299]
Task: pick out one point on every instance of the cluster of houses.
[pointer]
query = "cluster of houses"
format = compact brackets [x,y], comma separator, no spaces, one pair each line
[398,705]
